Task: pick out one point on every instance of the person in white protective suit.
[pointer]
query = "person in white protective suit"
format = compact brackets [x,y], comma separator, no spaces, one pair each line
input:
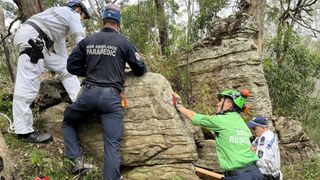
[41,44]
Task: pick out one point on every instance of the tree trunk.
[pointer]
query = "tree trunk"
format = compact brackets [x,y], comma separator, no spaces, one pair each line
[8,57]
[189,25]
[28,8]
[256,8]
[162,26]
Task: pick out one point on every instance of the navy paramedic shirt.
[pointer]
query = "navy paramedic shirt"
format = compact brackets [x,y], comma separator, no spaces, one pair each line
[101,59]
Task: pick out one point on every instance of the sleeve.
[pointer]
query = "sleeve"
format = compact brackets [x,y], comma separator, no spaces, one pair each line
[77,31]
[60,48]
[211,122]
[76,63]
[135,62]
[277,155]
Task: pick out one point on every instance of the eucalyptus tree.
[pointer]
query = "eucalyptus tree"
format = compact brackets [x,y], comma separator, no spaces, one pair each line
[28,8]
[5,44]
[7,11]
[255,8]
[162,25]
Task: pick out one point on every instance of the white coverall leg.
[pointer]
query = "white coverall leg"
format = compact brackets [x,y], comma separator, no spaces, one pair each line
[58,64]
[28,79]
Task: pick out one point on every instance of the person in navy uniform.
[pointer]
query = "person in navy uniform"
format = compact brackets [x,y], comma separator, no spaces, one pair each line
[101,59]
[266,147]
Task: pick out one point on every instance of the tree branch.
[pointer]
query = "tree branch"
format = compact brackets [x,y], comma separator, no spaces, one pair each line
[9,28]
[311,3]
[94,9]
[305,25]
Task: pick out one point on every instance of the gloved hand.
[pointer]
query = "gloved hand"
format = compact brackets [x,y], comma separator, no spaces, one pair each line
[177,100]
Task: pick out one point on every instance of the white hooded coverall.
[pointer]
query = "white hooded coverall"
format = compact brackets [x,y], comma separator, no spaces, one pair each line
[56,22]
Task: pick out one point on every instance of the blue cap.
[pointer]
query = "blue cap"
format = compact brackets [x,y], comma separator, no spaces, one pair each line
[112,11]
[258,121]
[111,14]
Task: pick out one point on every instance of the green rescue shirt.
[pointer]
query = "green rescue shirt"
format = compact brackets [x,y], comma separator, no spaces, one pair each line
[232,139]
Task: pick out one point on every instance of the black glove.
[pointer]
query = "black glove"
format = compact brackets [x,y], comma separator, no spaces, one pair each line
[36,50]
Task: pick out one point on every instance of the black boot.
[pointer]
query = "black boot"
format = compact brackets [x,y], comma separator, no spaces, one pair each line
[78,165]
[36,137]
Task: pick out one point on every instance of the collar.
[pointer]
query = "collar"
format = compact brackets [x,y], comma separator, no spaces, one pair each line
[107,29]
[266,133]
[227,111]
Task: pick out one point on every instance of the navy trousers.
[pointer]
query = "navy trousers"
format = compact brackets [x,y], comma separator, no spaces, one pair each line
[106,102]
[251,172]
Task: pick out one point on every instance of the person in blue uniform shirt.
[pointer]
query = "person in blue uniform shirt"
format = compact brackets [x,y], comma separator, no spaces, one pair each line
[101,59]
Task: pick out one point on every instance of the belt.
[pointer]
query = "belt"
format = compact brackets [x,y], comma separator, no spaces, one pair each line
[108,88]
[240,170]
[42,35]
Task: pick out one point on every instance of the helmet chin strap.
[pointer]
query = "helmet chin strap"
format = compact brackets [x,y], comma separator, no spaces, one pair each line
[221,108]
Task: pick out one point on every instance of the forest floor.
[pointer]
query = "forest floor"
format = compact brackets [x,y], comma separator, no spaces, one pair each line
[40,160]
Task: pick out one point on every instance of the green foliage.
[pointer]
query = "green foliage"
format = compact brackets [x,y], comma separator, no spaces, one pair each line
[5,103]
[308,114]
[203,104]
[208,11]
[137,24]
[308,170]
[12,142]
[44,160]
[36,156]
[51,3]
[290,79]
[273,13]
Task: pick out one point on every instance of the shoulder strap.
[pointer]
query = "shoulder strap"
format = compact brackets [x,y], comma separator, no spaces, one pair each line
[271,142]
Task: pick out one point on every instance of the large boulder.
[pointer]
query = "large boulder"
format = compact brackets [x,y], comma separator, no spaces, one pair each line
[295,144]
[156,142]
[228,59]
[208,157]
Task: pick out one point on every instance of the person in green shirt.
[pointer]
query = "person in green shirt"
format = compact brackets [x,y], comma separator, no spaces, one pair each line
[233,146]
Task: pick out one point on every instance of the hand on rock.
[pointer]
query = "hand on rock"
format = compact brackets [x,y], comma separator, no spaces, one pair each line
[177,101]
